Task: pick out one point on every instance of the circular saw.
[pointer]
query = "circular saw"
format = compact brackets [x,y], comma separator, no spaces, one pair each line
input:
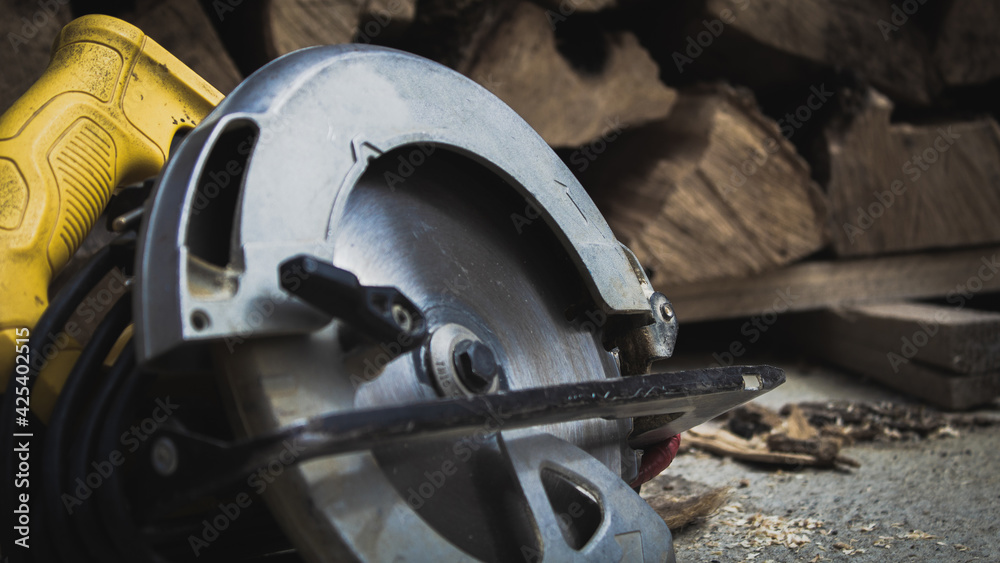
[368,315]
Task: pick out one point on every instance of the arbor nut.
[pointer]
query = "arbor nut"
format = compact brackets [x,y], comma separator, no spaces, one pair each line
[164,456]
[475,365]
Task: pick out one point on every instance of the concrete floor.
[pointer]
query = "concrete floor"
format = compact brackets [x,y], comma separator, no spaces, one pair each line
[933,500]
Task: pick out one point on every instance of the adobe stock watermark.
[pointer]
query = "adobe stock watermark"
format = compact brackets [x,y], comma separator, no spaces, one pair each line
[927,329]
[407,164]
[564,10]
[697,43]
[213,527]
[380,20]
[587,154]
[788,125]
[130,440]
[378,358]
[522,220]
[461,452]
[224,7]
[88,313]
[965,291]
[263,309]
[44,16]
[900,14]
[223,177]
[565,521]
[913,168]
[756,327]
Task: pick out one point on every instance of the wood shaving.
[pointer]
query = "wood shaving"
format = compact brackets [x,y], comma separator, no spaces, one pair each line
[916,535]
[681,503]
[763,530]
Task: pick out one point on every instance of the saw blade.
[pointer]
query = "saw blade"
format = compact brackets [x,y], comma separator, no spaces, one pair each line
[405,176]
[447,240]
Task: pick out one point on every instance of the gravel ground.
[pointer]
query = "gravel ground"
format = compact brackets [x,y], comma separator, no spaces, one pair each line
[933,500]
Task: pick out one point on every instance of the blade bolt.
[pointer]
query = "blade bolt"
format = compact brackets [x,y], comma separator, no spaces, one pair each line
[476,365]
[164,456]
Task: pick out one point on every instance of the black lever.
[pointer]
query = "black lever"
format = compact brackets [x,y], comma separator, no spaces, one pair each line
[381,314]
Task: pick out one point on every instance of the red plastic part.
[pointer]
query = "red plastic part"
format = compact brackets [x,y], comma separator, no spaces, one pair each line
[656,458]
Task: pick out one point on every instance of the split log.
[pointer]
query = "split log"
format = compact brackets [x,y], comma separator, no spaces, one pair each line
[771,45]
[820,284]
[713,191]
[27,30]
[896,187]
[968,51]
[290,25]
[520,62]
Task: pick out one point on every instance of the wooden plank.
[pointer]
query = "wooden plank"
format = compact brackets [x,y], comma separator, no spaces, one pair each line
[938,387]
[956,275]
[955,340]
[901,187]
[713,191]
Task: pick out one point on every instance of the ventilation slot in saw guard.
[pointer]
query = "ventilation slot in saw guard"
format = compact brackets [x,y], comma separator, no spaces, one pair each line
[577,511]
[210,230]
[213,210]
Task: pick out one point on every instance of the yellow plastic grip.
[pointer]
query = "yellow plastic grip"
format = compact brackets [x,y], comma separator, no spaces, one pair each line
[103,114]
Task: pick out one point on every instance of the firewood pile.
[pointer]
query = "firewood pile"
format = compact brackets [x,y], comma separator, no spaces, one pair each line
[836,157]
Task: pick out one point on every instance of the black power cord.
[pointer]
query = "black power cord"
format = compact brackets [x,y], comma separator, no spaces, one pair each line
[48,326]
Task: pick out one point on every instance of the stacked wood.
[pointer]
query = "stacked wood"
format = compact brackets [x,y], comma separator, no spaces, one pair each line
[946,355]
[800,40]
[759,156]
[290,25]
[897,186]
[713,191]
[518,59]
[967,46]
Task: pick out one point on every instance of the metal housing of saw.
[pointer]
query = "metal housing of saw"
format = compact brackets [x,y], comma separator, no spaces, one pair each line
[409,176]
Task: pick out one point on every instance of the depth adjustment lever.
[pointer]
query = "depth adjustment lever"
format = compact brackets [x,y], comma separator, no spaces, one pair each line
[378,313]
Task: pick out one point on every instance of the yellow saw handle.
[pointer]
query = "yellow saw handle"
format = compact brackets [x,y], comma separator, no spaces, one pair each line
[103,114]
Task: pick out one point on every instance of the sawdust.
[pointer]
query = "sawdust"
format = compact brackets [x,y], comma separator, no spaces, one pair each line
[755,531]
[765,530]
